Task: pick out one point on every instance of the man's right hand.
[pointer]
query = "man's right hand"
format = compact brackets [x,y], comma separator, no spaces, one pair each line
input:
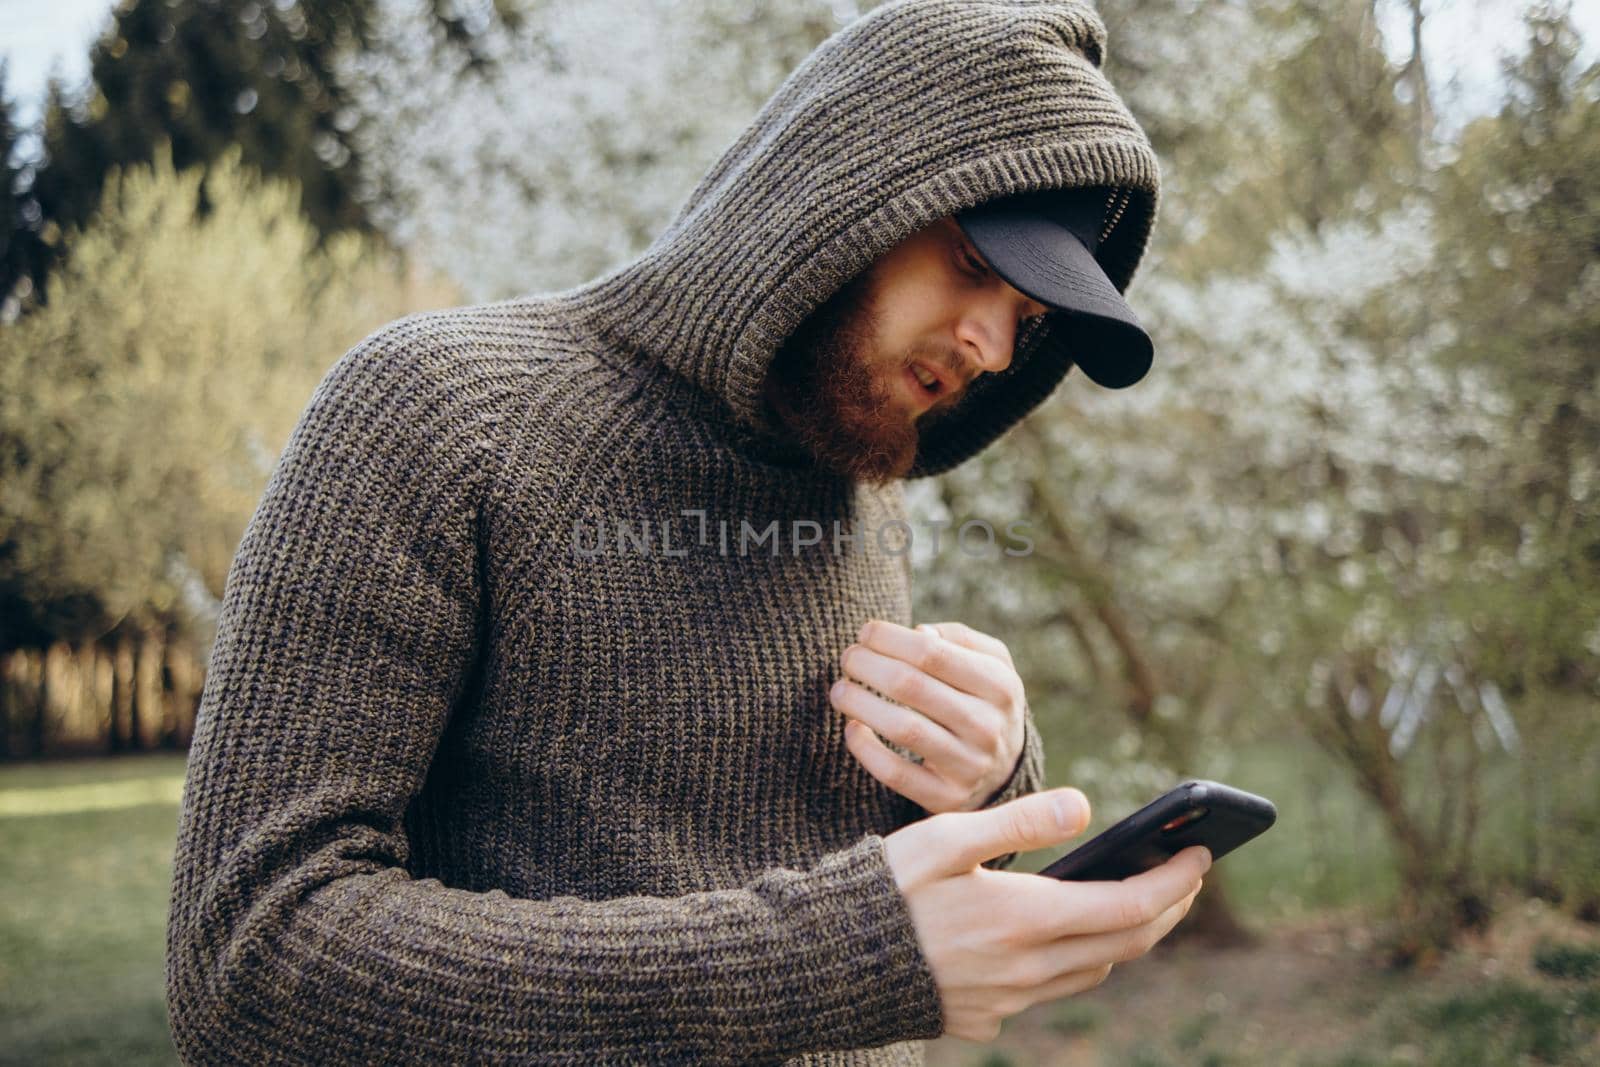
[999,942]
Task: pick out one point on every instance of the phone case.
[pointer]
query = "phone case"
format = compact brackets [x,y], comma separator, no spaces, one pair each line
[1228,818]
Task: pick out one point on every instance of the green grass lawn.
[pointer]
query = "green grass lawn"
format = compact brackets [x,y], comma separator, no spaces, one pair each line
[83,908]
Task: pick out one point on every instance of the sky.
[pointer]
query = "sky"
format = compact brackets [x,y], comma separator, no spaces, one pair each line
[1464,42]
[35,33]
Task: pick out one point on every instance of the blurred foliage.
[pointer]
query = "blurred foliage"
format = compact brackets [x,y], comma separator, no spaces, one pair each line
[1356,498]
[1579,962]
[577,146]
[22,249]
[201,76]
[142,409]
[1511,1022]
[1520,261]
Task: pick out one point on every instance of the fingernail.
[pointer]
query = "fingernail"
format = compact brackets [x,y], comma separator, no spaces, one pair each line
[1206,853]
[1069,810]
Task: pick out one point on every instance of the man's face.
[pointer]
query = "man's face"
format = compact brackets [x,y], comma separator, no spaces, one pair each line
[893,351]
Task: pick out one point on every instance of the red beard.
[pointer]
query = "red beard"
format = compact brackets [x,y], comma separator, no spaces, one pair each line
[835,400]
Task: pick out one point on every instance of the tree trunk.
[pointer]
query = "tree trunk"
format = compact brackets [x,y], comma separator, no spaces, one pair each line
[170,697]
[116,739]
[91,708]
[136,687]
[5,705]
[38,729]
[1211,922]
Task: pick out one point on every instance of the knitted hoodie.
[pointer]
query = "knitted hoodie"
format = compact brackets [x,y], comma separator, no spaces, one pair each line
[465,787]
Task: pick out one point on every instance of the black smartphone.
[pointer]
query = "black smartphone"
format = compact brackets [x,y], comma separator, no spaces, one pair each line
[1197,812]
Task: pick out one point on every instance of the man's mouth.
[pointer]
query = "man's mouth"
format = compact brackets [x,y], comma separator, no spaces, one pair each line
[929,384]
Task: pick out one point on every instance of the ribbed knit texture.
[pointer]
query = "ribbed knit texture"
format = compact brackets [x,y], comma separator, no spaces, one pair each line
[458,793]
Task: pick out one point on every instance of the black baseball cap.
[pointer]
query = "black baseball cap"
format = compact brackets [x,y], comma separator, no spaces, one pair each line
[1043,243]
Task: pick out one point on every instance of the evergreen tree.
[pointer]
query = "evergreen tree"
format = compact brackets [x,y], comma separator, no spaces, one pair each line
[202,75]
[20,245]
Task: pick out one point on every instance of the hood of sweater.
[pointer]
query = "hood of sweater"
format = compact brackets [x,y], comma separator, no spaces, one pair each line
[915,111]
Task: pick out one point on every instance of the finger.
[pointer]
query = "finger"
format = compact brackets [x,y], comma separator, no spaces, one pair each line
[957,842]
[910,780]
[1064,985]
[960,667]
[977,640]
[1096,907]
[1040,970]
[1052,962]
[907,728]
[958,713]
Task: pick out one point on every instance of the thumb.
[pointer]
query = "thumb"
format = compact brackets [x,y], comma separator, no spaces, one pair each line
[1037,820]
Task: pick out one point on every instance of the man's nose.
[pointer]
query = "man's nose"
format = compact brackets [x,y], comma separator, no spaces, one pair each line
[986,333]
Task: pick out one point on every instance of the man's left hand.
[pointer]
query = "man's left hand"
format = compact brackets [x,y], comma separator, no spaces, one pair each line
[964,711]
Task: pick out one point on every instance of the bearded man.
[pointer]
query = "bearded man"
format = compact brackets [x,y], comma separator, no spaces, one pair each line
[459,792]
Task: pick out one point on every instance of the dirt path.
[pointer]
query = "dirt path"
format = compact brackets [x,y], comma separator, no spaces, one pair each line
[1305,992]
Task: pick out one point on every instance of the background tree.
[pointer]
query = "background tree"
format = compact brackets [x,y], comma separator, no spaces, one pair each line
[145,404]
[575,149]
[1292,527]
[21,253]
[1519,258]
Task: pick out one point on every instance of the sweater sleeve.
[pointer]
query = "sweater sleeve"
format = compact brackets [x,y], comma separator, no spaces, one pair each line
[349,630]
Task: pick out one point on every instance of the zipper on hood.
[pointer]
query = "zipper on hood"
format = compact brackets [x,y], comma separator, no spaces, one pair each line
[915,111]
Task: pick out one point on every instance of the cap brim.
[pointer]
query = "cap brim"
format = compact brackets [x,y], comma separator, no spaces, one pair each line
[1046,261]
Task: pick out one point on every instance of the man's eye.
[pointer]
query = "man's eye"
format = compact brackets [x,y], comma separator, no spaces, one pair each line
[972,266]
